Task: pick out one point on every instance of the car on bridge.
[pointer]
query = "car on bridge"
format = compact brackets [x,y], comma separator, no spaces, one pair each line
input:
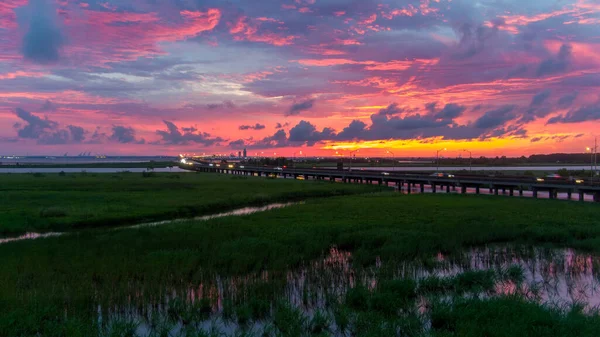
[573,180]
[443,175]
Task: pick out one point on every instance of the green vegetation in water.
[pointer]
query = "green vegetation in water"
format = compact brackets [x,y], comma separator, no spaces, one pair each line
[142,279]
[60,202]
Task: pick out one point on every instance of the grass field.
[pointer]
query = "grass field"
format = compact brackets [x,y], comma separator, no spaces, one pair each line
[55,287]
[54,202]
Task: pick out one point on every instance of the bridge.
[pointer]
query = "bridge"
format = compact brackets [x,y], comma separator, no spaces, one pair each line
[420,181]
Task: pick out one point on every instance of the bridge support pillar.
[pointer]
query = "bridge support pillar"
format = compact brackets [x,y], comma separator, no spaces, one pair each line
[503,190]
[496,190]
[463,189]
[581,196]
[477,189]
[448,188]
[551,194]
[433,188]
[512,191]
[535,192]
[408,190]
[422,188]
[569,194]
[491,189]
[520,191]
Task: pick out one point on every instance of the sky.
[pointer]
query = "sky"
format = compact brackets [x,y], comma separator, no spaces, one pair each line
[144,77]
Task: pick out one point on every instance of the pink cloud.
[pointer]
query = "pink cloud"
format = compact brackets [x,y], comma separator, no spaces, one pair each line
[246,29]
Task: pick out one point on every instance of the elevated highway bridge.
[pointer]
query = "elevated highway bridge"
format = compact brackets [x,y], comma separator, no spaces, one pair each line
[419,180]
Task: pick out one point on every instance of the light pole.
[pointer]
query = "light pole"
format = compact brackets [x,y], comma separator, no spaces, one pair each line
[438,158]
[351,154]
[595,156]
[393,159]
[592,155]
[470,160]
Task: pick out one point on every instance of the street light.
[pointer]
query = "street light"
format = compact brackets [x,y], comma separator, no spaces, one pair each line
[393,160]
[470,159]
[589,149]
[438,158]
[352,153]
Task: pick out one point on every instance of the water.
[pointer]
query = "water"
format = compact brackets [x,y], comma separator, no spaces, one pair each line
[89,170]
[558,278]
[237,212]
[29,236]
[49,160]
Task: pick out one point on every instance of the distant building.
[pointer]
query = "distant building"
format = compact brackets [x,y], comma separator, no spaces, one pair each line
[245,153]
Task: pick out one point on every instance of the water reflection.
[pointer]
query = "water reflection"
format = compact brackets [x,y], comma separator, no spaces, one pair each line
[558,277]
[237,212]
[29,236]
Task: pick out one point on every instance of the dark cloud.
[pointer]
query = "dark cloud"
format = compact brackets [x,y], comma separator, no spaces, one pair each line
[450,111]
[384,126]
[48,106]
[540,98]
[392,109]
[281,126]
[305,132]
[279,139]
[237,144]
[297,108]
[256,126]
[474,40]
[536,108]
[45,131]
[44,38]
[556,64]
[355,130]
[35,126]
[174,136]
[77,133]
[224,105]
[583,114]
[124,135]
[567,100]
[496,117]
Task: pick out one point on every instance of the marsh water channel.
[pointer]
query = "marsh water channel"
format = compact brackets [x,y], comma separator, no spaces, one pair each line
[251,305]
[236,212]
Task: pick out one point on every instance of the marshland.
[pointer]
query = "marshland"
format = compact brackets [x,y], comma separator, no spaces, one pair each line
[335,260]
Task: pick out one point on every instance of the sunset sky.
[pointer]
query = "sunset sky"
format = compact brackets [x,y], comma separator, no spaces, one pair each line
[496,77]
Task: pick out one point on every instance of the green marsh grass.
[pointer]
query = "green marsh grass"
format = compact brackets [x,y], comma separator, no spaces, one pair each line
[55,202]
[54,287]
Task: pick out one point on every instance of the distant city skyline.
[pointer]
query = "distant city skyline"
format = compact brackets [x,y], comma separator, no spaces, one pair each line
[117,77]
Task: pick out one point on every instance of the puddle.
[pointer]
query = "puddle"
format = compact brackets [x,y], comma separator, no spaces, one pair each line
[559,277]
[237,212]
